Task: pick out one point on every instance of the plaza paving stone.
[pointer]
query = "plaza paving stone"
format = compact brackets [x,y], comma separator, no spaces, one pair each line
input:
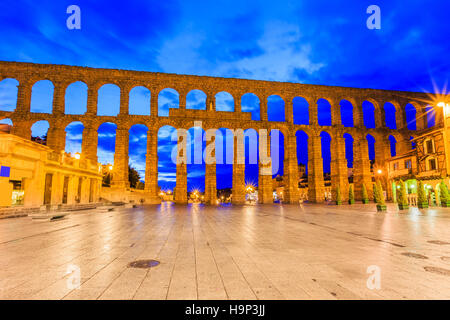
[229,252]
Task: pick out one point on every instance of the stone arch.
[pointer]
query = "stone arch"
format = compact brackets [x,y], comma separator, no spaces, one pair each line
[39,131]
[137,146]
[75,98]
[6,125]
[411,116]
[349,149]
[276,110]
[277,152]
[224,101]
[8,94]
[139,101]
[42,97]
[166,167]
[106,146]
[390,115]
[168,98]
[251,103]
[74,137]
[324,112]
[196,173]
[393,145]
[371,147]
[347,110]
[430,116]
[224,157]
[251,144]
[108,101]
[300,107]
[302,152]
[368,109]
[196,99]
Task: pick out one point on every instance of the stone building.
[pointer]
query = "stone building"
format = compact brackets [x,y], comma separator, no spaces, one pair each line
[333,102]
[32,175]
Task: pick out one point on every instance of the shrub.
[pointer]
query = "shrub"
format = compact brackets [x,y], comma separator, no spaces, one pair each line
[351,194]
[365,196]
[402,199]
[421,195]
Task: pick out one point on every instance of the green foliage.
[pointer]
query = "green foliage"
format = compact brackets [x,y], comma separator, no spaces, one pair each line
[133,177]
[365,196]
[378,195]
[443,192]
[338,194]
[421,195]
[351,193]
[402,199]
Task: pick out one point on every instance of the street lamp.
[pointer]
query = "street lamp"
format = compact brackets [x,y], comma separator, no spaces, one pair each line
[380,171]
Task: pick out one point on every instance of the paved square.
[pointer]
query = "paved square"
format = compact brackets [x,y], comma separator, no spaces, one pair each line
[240,252]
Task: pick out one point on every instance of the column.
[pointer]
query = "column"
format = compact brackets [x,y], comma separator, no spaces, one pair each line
[182,100]
[361,168]
[151,167]
[237,102]
[20,128]
[335,113]
[125,99]
[59,98]
[289,109]
[238,189]
[23,96]
[210,101]
[315,169]
[400,115]
[339,170]
[263,108]
[154,93]
[180,193]
[380,115]
[92,98]
[120,172]
[56,137]
[291,192]
[358,115]
[313,119]
[210,177]
[265,185]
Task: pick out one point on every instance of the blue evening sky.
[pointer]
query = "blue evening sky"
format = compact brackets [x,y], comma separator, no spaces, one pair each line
[315,42]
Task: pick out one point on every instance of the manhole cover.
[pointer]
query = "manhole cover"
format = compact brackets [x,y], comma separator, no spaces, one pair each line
[414,255]
[438,242]
[441,271]
[144,264]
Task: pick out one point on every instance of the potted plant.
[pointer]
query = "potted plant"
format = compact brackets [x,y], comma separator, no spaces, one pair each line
[402,201]
[351,195]
[443,194]
[378,195]
[338,196]
[365,196]
[421,196]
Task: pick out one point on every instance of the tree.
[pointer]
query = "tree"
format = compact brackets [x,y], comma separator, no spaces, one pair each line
[338,195]
[421,195]
[133,177]
[365,196]
[443,194]
[380,196]
[402,199]
[351,195]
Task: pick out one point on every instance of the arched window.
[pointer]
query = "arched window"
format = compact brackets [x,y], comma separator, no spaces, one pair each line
[302,152]
[326,151]
[196,99]
[167,99]
[42,97]
[108,100]
[8,94]
[139,101]
[324,112]
[368,114]
[275,108]
[224,101]
[106,143]
[301,110]
[393,146]
[76,98]
[39,132]
[346,113]
[390,118]
[250,103]
[74,137]
[410,111]
[349,149]
[138,149]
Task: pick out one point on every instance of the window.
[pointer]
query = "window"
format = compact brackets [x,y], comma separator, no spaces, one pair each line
[429,146]
[395,166]
[432,164]
[408,164]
